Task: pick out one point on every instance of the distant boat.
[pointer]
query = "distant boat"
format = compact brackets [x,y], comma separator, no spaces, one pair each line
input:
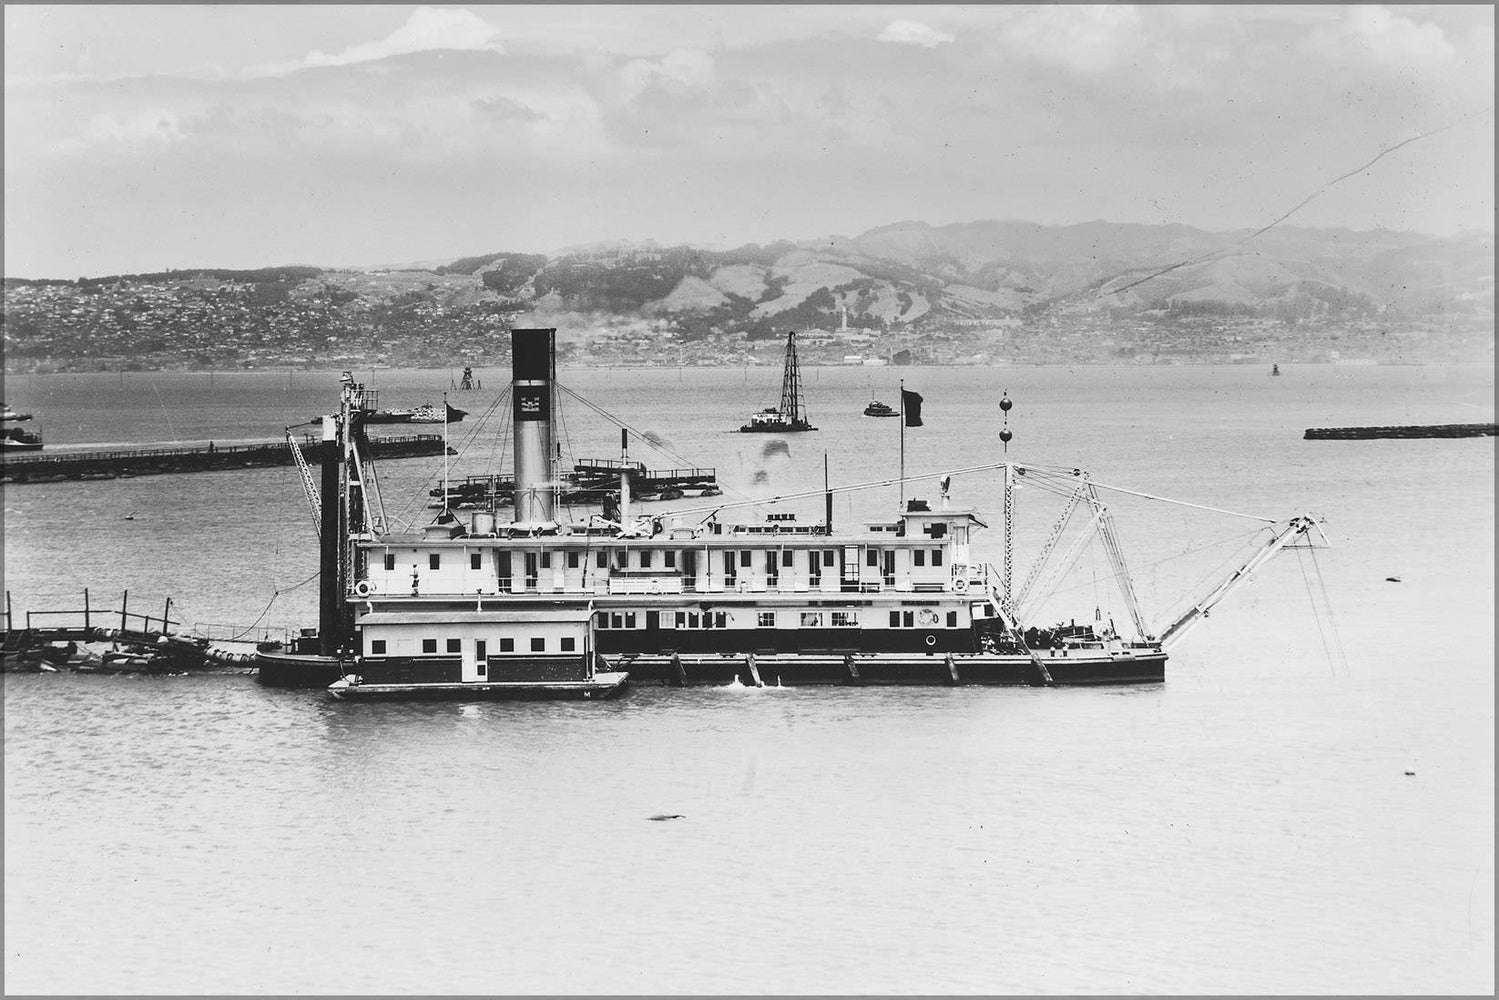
[791,415]
[468,382]
[10,414]
[1275,369]
[16,439]
[879,409]
[424,414]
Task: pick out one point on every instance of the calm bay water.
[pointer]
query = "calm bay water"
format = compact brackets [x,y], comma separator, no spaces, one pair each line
[1247,827]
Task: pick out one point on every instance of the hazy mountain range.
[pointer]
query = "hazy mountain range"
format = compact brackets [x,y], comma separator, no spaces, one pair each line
[905,279]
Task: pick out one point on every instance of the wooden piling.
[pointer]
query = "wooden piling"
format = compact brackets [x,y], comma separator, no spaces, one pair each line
[678,672]
[749,661]
[852,668]
[952,669]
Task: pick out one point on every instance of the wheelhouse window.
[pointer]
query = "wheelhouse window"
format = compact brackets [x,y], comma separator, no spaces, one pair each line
[390,560]
[377,647]
[475,560]
[455,645]
[568,644]
[434,560]
[429,645]
[538,645]
[507,645]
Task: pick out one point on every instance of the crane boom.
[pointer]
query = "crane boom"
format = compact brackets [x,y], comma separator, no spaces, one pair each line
[308,485]
[1279,539]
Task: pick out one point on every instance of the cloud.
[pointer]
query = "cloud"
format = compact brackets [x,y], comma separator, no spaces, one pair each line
[1086,40]
[427,29]
[681,69]
[914,33]
[1398,40]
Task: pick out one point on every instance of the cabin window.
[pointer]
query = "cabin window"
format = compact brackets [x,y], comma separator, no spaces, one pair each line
[786,557]
[645,559]
[908,619]
[475,560]
[895,619]
[845,619]
[720,619]
[538,645]
[429,645]
[669,559]
[481,656]
[629,619]
[827,557]
[872,557]
[546,560]
[616,620]
[936,557]
[568,644]
[572,560]
[767,619]
[390,560]
[507,645]
[811,619]
[952,619]
[434,560]
[455,645]
[601,560]
[377,647]
[920,555]
[744,557]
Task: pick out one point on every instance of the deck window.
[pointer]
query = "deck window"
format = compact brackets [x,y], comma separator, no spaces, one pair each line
[936,557]
[811,619]
[572,560]
[645,559]
[952,619]
[434,560]
[895,619]
[845,619]
[538,645]
[629,619]
[507,645]
[429,645]
[377,647]
[601,560]
[767,619]
[872,557]
[908,619]
[568,644]
[455,645]
[475,560]
[390,560]
[669,558]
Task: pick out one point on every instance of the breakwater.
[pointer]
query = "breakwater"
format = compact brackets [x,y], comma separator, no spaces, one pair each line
[1402,431]
[34,467]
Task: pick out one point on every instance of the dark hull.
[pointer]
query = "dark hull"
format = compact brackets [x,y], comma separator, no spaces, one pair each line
[939,671]
[298,670]
[775,428]
[599,688]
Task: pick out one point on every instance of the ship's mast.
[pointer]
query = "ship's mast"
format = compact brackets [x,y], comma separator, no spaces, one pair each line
[791,383]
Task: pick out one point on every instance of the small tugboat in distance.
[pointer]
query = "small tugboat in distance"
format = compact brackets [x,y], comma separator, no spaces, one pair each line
[1275,369]
[879,409]
[791,415]
[15,438]
[424,414]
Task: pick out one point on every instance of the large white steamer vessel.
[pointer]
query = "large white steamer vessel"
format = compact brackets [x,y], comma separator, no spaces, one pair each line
[546,604]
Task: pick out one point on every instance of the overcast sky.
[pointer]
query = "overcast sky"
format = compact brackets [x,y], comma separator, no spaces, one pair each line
[140,138]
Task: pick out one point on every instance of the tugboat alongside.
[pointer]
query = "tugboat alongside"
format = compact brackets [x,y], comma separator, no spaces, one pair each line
[791,415]
[549,605]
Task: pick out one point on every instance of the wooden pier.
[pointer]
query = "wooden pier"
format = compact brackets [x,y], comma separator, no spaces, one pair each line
[139,642]
[34,467]
[1404,431]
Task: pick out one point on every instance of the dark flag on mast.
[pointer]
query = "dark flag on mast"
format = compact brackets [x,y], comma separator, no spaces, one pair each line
[910,404]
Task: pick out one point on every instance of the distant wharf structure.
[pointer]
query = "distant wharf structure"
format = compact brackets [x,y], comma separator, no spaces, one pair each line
[33,467]
[1402,431]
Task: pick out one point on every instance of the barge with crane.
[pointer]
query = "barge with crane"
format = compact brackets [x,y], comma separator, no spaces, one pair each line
[551,604]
